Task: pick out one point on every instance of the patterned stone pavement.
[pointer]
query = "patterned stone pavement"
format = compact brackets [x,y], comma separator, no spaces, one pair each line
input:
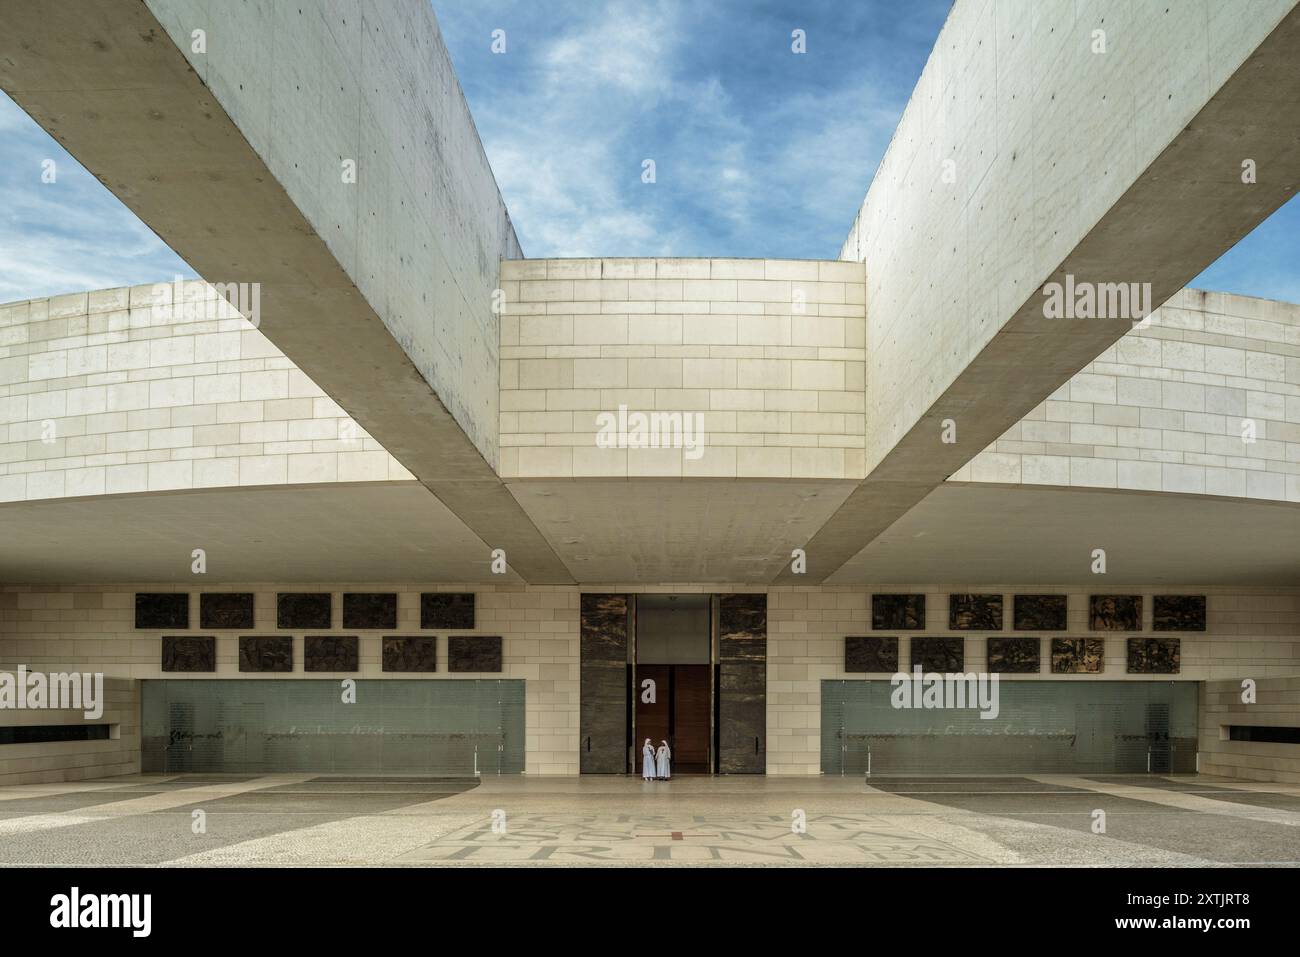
[311,820]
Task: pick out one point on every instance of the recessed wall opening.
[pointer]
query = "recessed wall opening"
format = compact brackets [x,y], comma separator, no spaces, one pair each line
[1263,734]
[673,673]
[1040,727]
[690,669]
[464,728]
[45,733]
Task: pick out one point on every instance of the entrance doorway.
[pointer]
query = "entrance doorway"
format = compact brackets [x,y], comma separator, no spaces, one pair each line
[673,680]
[679,714]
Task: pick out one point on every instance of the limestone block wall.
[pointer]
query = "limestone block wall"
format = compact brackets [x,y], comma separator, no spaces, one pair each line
[1166,408]
[1254,633]
[1251,632]
[769,352]
[54,761]
[122,390]
[51,628]
[1277,704]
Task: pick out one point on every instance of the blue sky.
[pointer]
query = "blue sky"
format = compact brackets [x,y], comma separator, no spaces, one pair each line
[70,234]
[758,151]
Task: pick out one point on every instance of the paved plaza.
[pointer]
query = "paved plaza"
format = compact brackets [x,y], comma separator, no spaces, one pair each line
[322,820]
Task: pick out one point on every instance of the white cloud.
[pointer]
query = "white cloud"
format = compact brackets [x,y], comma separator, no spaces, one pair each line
[68,235]
[625,47]
[759,169]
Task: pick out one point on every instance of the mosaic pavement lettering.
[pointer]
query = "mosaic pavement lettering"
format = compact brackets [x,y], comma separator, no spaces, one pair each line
[609,820]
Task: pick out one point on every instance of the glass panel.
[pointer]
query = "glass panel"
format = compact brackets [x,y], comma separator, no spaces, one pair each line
[673,629]
[1042,727]
[415,727]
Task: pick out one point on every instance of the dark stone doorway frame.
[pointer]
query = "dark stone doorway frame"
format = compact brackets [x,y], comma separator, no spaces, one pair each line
[609,741]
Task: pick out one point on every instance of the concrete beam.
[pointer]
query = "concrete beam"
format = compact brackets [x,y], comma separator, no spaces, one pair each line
[1122,166]
[380,290]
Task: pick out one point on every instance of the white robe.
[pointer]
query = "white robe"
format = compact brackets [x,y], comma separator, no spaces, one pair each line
[663,758]
[648,763]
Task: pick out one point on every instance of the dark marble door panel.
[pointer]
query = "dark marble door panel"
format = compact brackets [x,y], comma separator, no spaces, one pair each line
[602,743]
[742,717]
[742,684]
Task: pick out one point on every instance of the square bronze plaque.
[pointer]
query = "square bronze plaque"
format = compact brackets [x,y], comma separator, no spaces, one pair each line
[416,653]
[226,610]
[1178,613]
[330,653]
[447,610]
[870,653]
[1040,613]
[1014,655]
[1154,656]
[269,653]
[975,612]
[1115,613]
[304,610]
[189,653]
[162,610]
[897,612]
[474,653]
[944,654]
[1073,656]
[370,610]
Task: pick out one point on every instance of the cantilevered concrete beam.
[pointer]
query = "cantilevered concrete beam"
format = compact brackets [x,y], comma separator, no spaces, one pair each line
[1108,141]
[232,131]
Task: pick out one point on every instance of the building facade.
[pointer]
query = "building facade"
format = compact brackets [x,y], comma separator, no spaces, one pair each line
[424,504]
[142,433]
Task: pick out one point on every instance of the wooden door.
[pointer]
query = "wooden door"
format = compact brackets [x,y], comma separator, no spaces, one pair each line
[653,718]
[690,730]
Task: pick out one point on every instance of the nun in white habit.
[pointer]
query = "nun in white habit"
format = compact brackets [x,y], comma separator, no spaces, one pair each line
[663,762]
[647,761]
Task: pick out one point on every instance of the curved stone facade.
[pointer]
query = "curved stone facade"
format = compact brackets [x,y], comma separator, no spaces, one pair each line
[1204,400]
[120,391]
